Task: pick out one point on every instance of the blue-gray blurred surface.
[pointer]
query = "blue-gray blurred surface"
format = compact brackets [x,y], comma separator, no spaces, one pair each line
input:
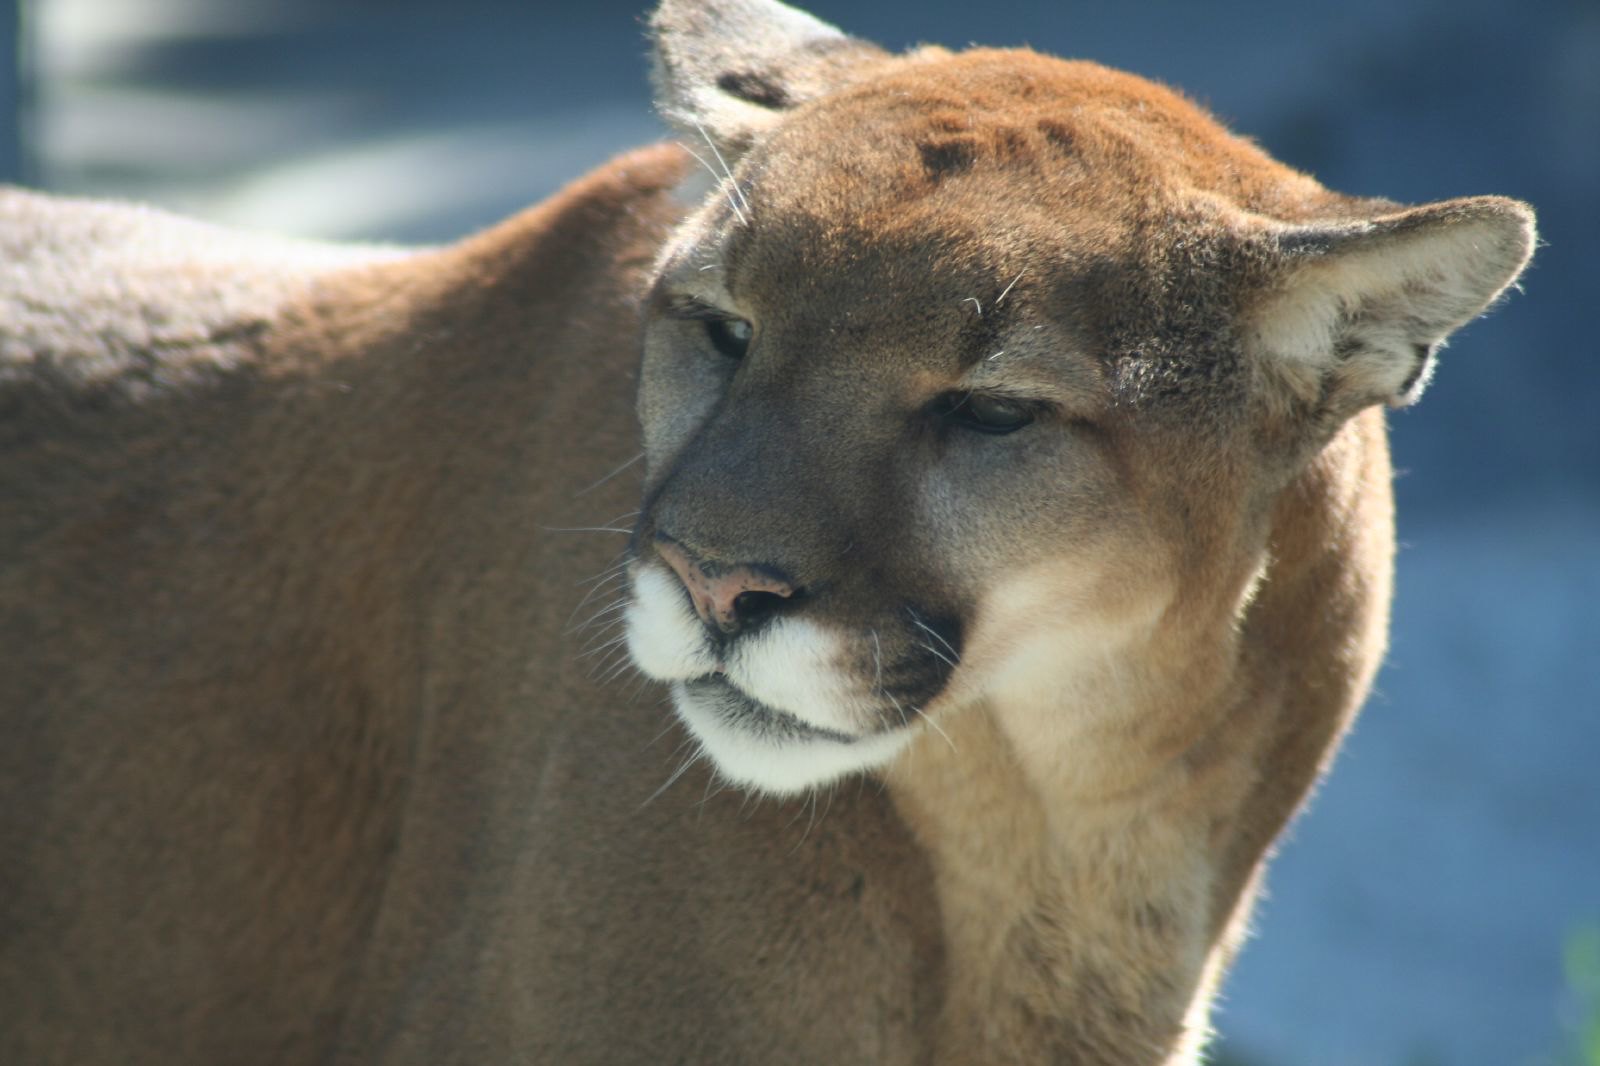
[1418,913]
[13,104]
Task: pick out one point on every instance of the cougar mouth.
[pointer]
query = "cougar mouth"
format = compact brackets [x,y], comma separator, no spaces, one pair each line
[738,710]
[786,707]
[771,750]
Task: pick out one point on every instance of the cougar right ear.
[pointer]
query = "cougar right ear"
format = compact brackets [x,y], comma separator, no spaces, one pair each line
[1360,308]
[729,68]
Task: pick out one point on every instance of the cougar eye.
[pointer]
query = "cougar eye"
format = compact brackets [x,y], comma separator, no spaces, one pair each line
[984,412]
[730,336]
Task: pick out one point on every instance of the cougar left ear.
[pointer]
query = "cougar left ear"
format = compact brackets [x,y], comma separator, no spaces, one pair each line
[729,68]
[1358,310]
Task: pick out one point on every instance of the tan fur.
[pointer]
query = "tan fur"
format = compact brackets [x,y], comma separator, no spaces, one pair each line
[302,764]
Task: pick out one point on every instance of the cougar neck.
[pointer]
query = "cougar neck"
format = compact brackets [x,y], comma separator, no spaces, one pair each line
[1089,915]
[1077,930]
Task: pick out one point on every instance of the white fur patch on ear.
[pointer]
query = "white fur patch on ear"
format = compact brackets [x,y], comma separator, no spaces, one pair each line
[1362,307]
[727,69]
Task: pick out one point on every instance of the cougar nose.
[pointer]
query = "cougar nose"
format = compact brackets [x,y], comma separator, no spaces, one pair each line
[728,597]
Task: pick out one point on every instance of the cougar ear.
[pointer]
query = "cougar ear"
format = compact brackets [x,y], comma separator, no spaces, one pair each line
[1358,310]
[729,68]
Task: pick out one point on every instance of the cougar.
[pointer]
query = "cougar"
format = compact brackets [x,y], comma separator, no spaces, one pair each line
[1010,548]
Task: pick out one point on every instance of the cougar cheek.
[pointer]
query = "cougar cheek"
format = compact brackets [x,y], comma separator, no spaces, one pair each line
[664,636]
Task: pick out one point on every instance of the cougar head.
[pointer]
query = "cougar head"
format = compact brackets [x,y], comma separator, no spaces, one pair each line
[976,372]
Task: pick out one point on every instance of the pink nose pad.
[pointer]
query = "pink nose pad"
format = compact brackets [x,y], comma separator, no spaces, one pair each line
[728,597]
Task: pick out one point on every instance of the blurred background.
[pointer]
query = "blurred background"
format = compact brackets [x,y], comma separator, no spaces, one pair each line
[1420,912]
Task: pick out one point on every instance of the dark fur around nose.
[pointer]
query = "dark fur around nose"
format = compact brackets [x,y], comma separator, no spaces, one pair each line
[730,597]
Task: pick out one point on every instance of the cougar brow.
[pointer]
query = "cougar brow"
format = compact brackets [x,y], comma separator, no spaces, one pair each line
[981,334]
